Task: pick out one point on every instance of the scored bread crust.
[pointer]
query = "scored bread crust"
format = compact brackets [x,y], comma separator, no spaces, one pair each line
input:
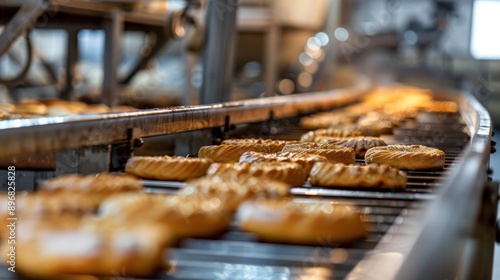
[233,152]
[167,167]
[333,132]
[332,153]
[357,176]
[288,172]
[304,159]
[286,221]
[254,141]
[360,144]
[408,157]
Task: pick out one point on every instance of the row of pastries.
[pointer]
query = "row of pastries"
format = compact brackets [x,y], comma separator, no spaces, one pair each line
[105,224]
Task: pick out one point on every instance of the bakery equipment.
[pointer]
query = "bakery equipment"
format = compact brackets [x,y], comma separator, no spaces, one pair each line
[442,226]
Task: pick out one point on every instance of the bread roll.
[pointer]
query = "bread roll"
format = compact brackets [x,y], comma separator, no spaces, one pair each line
[96,187]
[357,176]
[287,172]
[359,144]
[287,221]
[167,167]
[333,153]
[408,157]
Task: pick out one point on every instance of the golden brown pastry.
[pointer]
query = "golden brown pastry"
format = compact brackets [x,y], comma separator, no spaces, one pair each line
[288,221]
[332,132]
[357,176]
[97,109]
[232,189]
[182,215]
[233,152]
[365,130]
[271,142]
[97,187]
[409,157]
[332,153]
[47,249]
[167,167]
[63,107]
[377,122]
[30,108]
[304,159]
[449,107]
[360,144]
[7,108]
[325,120]
[287,172]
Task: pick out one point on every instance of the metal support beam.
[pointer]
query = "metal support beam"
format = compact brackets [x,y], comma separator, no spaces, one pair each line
[24,19]
[112,55]
[218,55]
[71,61]
[272,39]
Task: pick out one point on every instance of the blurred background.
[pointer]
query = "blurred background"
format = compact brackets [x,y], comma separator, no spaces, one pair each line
[280,47]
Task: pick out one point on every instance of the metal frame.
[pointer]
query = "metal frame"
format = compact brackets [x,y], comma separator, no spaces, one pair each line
[457,232]
[30,136]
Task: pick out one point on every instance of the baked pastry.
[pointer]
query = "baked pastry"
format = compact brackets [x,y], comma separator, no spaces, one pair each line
[410,157]
[30,108]
[288,221]
[365,130]
[63,107]
[449,107]
[233,152]
[377,122]
[304,159]
[96,187]
[325,120]
[58,248]
[232,189]
[97,109]
[287,172]
[271,142]
[167,167]
[43,206]
[332,132]
[357,176]
[360,144]
[182,215]
[332,153]
[7,108]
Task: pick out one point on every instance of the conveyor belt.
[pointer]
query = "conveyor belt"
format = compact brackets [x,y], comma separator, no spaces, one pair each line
[238,255]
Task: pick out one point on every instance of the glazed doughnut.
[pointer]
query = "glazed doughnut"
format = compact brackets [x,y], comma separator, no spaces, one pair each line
[233,152]
[97,187]
[288,221]
[357,176]
[287,172]
[409,157]
[167,167]
[232,189]
[54,248]
[182,215]
[332,153]
[360,144]
[304,159]
[311,135]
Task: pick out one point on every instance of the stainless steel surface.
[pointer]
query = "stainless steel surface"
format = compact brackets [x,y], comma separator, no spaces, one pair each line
[28,136]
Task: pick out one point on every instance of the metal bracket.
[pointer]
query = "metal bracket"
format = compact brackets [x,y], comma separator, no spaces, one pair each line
[84,160]
[121,152]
